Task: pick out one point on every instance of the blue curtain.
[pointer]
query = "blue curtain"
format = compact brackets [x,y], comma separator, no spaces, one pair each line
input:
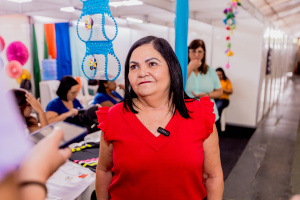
[77,52]
[64,60]
[181,34]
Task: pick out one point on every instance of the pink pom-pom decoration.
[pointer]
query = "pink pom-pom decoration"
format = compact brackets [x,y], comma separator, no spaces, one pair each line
[227,65]
[1,64]
[14,69]
[17,51]
[2,44]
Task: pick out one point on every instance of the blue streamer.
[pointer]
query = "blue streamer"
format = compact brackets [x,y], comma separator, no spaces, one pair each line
[181,34]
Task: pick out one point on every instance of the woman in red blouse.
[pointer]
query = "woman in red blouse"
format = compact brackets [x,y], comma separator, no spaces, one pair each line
[158,143]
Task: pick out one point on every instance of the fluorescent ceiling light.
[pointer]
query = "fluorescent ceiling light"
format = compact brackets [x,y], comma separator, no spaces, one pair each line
[134,20]
[20,1]
[126,3]
[68,9]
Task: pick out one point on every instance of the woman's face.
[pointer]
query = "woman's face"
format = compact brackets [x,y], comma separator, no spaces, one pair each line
[196,53]
[148,72]
[220,75]
[110,85]
[27,111]
[72,93]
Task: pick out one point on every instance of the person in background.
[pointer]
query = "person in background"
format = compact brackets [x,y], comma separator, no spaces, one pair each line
[106,94]
[65,106]
[25,179]
[165,144]
[223,101]
[26,102]
[202,79]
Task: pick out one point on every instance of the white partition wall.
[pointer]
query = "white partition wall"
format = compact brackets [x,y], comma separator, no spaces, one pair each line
[244,71]
[15,28]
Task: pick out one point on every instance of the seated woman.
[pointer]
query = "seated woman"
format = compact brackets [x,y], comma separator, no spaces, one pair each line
[26,102]
[106,94]
[223,101]
[65,106]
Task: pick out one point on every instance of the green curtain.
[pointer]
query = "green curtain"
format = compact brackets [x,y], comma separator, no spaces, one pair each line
[36,64]
[46,54]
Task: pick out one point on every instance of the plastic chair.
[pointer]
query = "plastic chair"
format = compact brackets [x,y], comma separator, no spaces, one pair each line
[48,91]
[83,95]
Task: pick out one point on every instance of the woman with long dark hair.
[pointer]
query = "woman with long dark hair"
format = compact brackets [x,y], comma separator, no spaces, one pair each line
[26,102]
[223,101]
[158,143]
[202,79]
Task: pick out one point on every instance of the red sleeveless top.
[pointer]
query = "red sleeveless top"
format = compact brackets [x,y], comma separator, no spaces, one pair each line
[146,167]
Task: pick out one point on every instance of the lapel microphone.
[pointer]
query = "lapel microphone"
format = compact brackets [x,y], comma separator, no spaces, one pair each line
[163,131]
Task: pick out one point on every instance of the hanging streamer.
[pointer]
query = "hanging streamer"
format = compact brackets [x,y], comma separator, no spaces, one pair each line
[230,23]
[98,28]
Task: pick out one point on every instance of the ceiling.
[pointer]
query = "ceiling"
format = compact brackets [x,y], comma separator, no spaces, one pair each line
[284,13]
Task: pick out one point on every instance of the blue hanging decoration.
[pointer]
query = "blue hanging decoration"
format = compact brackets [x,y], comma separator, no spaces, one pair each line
[97,28]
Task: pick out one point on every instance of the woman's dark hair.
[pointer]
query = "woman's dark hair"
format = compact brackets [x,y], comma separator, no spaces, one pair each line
[20,97]
[65,85]
[195,44]
[222,71]
[177,94]
[101,88]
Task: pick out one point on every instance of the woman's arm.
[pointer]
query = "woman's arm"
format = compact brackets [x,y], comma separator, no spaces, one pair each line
[214,94]
[227,91]
[193,65]
[44,159]
[54,117]
[103,172]
[36,105]
[212,170]
[107,104]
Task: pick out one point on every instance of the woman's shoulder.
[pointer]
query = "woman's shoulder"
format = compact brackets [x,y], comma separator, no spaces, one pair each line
[116,109]
[57,99]
[55,102]
[204,106]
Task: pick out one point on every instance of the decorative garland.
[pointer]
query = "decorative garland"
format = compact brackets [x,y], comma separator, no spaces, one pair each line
[230,23]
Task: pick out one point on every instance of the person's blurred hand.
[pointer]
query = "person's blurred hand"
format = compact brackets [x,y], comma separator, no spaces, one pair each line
[195,64]
[35,103]
[44,159]
[199,95]
[73,112]
[122,86]
[296,197]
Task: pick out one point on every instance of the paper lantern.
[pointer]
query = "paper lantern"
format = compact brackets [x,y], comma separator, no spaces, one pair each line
[25,75]
[14,69]
[1,64]
[17,51]
[2,44]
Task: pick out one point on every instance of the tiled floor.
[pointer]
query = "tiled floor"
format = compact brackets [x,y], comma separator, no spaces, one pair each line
[264,170]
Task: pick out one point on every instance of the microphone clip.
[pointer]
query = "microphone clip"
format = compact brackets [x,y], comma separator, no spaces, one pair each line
[163,131]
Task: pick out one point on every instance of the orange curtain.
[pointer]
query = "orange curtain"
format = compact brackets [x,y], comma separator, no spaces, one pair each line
[50,39]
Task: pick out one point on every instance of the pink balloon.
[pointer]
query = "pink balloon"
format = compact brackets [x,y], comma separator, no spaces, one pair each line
[14,69]
[2,44]
[17,51]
